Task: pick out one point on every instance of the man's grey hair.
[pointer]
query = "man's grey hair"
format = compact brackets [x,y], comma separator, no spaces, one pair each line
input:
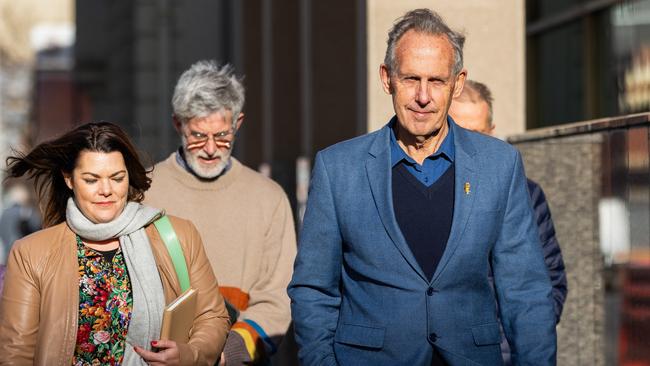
[206,88]
[424,21]
[476,92]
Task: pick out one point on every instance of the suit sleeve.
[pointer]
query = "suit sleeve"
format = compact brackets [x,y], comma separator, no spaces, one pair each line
[19,309]
[521,279]
[314,290]
[550,247]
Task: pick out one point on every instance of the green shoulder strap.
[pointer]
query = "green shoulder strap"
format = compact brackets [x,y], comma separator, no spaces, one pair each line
[168,235]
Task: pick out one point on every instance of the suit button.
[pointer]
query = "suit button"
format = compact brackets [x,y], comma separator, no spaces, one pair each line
[430,291]
[433,337]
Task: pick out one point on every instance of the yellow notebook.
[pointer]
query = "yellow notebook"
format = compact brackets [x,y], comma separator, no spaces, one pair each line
[178,317]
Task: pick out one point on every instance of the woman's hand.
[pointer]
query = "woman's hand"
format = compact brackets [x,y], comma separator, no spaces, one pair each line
[168,353]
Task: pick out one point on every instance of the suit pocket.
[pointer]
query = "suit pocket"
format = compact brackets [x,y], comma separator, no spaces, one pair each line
[486,334]
[360,335]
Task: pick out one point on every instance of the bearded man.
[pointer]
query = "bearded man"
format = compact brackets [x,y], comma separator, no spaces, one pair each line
[244,218]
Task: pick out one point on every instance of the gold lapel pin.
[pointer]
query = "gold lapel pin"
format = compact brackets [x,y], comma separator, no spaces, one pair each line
[467,188]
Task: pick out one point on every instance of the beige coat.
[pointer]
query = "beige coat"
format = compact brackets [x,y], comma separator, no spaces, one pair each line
[40,303]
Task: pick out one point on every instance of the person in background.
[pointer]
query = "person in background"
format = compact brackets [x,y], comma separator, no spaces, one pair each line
[244,218]
[403,224]
[91,287]
[18,219]
[473,110]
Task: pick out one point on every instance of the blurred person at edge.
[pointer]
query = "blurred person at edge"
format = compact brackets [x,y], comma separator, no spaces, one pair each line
[101,262]
[473,110]
[20,218]
[403,223]
[244,217]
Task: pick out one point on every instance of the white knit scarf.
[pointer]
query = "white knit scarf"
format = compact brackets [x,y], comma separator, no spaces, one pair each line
[148,296]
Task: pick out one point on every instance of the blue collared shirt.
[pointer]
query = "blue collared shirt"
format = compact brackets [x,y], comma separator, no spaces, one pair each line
[433,167]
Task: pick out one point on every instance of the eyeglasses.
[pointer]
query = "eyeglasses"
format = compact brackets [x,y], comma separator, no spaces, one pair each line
[223,139]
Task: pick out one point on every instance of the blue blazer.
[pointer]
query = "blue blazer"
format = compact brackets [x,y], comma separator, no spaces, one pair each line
[358,295]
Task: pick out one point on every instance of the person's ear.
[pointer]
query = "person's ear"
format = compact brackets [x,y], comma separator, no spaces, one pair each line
[177,123]
[239,121]
[384,75]
[67,178]
[460,83]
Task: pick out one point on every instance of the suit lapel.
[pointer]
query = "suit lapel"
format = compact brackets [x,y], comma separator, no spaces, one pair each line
[380,177]
[466,182]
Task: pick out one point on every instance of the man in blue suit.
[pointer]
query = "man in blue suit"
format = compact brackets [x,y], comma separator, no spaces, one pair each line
[403,224]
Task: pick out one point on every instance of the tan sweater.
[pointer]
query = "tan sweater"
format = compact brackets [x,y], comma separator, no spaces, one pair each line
[246,224]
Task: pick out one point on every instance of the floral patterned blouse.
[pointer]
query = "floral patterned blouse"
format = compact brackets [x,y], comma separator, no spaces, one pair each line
[105,305]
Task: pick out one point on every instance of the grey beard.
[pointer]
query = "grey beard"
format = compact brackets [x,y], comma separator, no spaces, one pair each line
[195,168]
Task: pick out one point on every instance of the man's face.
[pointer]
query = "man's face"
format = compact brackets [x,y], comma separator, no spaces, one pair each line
[473,116]
[423,83]
[208,141]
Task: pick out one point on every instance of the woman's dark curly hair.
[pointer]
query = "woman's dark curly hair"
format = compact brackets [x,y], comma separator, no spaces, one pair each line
[47,162]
